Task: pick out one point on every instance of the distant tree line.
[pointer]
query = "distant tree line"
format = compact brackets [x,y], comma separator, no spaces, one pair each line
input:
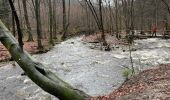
[48,18]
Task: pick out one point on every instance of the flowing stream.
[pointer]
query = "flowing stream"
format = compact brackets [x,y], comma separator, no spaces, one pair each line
[93,71]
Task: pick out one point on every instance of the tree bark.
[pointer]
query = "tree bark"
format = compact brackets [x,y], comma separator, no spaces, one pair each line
[38,21]
[51,23]
[20,14]
[54,19]
[64,20]
[116,19]
[30,37]
[37,72]
[101,23]
[13,25]
[20,35]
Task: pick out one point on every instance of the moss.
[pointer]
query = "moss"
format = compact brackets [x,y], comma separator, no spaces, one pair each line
[127,73]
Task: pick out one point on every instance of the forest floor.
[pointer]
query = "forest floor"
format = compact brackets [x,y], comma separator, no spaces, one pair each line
[30,47]
[150,84]
[111,40]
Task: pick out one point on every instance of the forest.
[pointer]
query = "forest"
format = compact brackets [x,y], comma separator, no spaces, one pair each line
[84,49]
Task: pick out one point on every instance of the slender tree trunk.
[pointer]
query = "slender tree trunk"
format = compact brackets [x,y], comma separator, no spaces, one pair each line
[30,37]
[54,19]
[69,10]
[156,13]
[38,21]
[111,17]
[131,36]
[94,13]
[13,25]
[101,23]
[116,19]
[88,18]
[132,15]
[142,6]
[64,20]
[20,35]
[20,15]
[51,23]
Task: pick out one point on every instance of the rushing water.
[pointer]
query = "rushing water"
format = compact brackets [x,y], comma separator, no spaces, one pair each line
[93,71]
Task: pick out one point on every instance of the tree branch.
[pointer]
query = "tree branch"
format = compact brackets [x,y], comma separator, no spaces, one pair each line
[166,4]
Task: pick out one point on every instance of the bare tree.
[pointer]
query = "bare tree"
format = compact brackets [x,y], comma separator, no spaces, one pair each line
[99,20]
[116,19]
[64,20]
[142,6]
[36,4]
[30,37]
[51,23]
[54,19]
[20,35]
[13,23]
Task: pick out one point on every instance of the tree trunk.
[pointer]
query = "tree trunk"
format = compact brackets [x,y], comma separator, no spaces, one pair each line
[30,37]
[101,23]
[51,23]
[13,25]
[38,21]
[64,20]
[54,19]
[20,35]
[94,13]
[37,72]
[116,19]
[20,14]
[110,17]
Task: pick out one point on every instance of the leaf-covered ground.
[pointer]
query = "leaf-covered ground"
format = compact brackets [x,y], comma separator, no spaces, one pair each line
[96,37]
[30,47]
[151,84]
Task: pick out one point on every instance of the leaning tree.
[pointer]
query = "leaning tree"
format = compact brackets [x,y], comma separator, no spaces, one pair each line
[38,72]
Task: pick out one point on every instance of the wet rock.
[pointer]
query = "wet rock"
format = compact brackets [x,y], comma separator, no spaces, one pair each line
[133,49]
[92,47]
[107,48]
[84,42]
[62,63]
[72,42]
[167,59]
